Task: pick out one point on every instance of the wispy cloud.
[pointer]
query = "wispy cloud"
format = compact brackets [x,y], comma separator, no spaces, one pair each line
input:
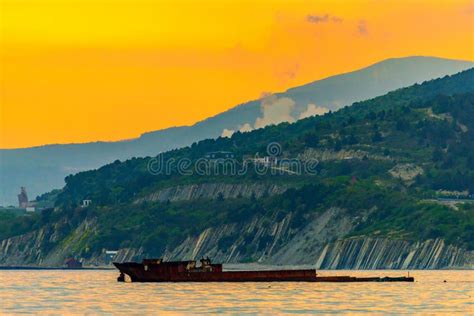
[362,28]
[285,73]
[324,18]
[470,9]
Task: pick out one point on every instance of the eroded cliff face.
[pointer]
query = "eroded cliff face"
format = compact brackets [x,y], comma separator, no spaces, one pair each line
[321,242]
[267,241]
[263,240]
[24,249]
[43,247]
[331,155]
[381,253]
[212,191]
[318,238]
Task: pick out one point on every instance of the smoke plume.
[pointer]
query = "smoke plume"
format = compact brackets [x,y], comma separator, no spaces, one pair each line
[313,110]
[277,110]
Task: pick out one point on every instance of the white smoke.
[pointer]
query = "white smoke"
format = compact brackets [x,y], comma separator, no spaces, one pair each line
[227,132]
[245,128]
[277,110]
[242,128]
[313,110]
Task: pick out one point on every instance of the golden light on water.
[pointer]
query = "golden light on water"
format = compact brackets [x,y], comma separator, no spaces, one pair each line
[92,292]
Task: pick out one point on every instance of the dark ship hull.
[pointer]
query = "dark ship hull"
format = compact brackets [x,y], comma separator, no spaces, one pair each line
[186,271]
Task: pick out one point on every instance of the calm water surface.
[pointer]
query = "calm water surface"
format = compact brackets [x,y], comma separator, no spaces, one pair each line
[97,292]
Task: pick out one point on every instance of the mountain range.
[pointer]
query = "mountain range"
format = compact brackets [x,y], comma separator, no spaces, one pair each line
[41,169]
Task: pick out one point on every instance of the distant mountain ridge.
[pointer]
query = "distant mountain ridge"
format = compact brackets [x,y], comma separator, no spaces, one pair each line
[43,168]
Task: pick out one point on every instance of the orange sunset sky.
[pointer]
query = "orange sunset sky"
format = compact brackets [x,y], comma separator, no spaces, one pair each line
[87,70]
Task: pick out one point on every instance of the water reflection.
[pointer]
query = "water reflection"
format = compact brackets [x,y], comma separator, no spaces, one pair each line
[97,292]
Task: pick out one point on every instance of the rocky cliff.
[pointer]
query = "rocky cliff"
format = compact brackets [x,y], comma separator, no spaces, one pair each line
[47,246]
[322,242]
[379,253]
[212,191]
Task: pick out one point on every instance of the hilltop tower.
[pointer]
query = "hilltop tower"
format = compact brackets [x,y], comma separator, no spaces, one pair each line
[23,198]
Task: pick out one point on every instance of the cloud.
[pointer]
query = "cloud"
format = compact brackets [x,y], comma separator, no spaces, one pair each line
[317,18]
[470,9]
[286,73]
[313,110]
[242,128]
[227,133]
[362,28]
[245,128]
[291,72]
[325,18]
[275,111]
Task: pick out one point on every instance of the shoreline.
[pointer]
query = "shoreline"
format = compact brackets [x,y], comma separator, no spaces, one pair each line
[55,268]
[230,267]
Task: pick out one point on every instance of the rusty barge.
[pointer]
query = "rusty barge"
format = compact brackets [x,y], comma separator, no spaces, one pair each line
[157,270]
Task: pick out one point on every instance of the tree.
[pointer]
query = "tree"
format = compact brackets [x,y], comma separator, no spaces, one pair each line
[311,140]
[377,137]
[437,155]
[470,162]
[351,139]
[371,116]
[402,125]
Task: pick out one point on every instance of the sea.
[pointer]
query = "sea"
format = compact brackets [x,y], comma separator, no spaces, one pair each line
[92,292]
